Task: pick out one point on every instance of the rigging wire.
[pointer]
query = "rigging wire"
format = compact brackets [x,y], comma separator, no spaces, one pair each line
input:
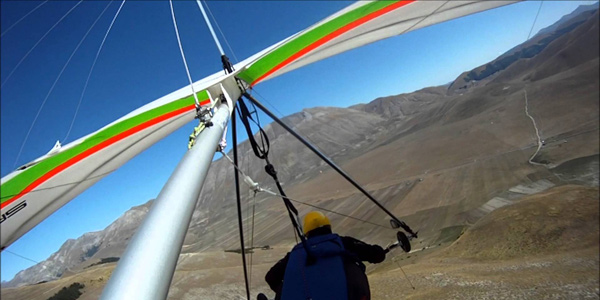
[253,88]
[23,17]
[252,237]
[21,256]
[535,19]
[210,28]
[92,69]
[247,161]
[424,18]
[249,182]
[271,171]
[38,42]
[263,137]
[255,187]
[327,210]
[281,115]
[55,82]
[263,153]
[221,32]
[239,204]
[250,247]
[409,28]
[306,136]
[187,70]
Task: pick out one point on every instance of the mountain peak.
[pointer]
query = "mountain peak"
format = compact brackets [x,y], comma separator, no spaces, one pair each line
[527,50]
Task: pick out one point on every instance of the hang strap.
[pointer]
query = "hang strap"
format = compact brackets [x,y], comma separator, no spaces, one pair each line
[262,152]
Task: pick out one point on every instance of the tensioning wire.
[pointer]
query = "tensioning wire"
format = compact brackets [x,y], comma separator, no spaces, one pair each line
[23,17]
[54,84]
[38,42]
[91,70]
[327,210]
[21,256]
[535,20]
[187,70]
[221,31]
[301,202]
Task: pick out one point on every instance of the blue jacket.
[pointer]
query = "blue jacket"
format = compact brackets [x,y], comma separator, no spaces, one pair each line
[337,273]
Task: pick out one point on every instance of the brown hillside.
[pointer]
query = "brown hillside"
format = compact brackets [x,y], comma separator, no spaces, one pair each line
[544,247]
[562,219]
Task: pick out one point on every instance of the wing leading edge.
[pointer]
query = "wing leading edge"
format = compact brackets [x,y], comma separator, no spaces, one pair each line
[359,24]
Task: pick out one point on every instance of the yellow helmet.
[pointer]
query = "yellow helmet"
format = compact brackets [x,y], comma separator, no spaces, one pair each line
[314,220]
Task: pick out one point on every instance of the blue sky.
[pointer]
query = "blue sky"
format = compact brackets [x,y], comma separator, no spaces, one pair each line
[140,62]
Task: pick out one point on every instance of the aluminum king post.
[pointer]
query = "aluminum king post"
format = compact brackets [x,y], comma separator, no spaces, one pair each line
[146,268]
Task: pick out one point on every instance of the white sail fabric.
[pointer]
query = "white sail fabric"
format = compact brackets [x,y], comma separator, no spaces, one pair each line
[401,17]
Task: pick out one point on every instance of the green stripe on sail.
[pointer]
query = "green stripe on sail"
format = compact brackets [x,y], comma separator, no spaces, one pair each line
[18,183]
[283,52]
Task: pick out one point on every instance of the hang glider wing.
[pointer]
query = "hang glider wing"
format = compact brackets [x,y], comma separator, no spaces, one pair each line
[34,191]
[359,24]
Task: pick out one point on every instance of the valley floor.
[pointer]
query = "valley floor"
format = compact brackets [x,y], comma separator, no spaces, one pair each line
[551,251]
[570,275]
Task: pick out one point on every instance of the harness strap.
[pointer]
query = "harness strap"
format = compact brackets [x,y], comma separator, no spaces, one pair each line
[262,152]
[245,116]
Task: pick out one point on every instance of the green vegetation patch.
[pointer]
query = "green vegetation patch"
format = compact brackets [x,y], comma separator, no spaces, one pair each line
[450,234]
[105,260]
[69,293]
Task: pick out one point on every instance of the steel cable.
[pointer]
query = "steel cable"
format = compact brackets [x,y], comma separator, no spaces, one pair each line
[38,42]
[54,85]
[187,70]
[23,17]
[92,69]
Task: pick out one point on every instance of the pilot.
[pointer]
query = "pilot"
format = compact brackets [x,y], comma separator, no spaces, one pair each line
[350,251]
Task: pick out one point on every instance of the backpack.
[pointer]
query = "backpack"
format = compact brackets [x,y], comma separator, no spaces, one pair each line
[322,279]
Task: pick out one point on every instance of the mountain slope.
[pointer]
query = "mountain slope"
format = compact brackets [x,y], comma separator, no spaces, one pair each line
[527,50]
[73,253]
[567,18]
[558,220]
